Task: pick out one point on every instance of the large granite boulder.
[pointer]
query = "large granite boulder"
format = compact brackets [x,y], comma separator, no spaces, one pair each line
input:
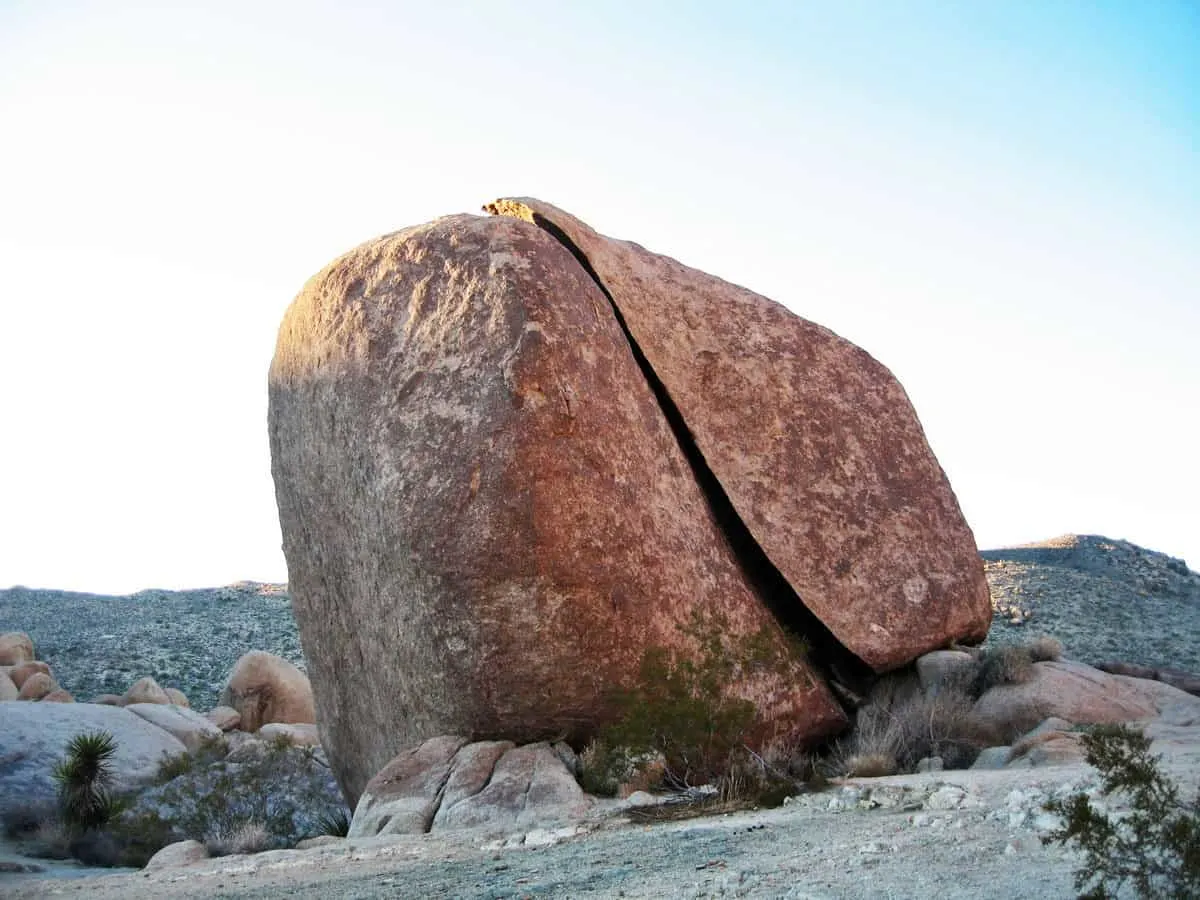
[815,443]
[487,516]
[34,736]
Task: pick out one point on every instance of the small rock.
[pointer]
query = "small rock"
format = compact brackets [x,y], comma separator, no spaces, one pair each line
[146,690]
[37,686]
[181,853]
[58,695]
[642,798]
[224,717]
[992,758]
[298,735]
[19,673]
[948,796]
[109,700]
[178,698]
[16,647]
[930,764]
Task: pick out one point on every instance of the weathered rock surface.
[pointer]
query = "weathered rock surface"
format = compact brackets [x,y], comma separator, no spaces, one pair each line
[180,853]
[296,735]
[265,688]
[36,686]
[16,647]
[33,737]
[815,443]
[224,717]
[484,509]
[58,695]
[192,729]
[1080,694]
[19,673]
[177,697]
[146,690]
[8,690]
[448,783]
[1176,678]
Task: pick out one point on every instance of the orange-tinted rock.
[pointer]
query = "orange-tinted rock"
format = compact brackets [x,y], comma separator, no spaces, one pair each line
[19,673]
[265,688]
[486,516]
[59,695]
[815,443]
[37,686]
[16,647]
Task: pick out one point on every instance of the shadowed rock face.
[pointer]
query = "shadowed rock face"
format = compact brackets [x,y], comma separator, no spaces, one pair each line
[487,517]
[815,443]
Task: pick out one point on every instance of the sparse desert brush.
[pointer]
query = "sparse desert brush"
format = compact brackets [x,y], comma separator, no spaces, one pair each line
[997,666]
[900,726]
[870,765]
[1155,846]
[234,839]
[1045,649]
[22,818]
[211,750]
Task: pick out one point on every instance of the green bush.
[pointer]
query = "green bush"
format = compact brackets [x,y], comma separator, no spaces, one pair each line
[84,778]
[680,725]
[1155,847]
[680,710]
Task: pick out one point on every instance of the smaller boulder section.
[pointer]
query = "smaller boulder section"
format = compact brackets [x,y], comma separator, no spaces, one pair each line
[265,688]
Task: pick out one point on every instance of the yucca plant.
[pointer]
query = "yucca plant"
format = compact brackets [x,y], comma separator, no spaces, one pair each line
[84,777]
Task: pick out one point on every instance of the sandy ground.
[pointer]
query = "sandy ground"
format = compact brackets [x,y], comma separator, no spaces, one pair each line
[986,845]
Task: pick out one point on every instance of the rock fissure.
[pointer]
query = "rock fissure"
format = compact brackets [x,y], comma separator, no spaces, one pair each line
[834,660]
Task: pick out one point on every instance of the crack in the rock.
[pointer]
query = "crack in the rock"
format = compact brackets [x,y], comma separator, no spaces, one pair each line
[843,670]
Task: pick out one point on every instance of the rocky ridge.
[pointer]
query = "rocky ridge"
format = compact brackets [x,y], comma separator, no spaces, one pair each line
[1107,600]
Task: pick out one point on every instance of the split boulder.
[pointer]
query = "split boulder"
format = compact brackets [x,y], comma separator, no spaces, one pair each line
[484,507]
[512,456]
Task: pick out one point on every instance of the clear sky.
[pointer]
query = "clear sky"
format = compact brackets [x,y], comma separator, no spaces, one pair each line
[999,200]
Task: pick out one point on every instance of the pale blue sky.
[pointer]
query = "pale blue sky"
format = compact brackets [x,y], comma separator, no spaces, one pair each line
[1000,201]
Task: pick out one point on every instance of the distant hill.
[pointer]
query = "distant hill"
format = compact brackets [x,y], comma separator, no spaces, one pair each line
[99,644]
[1105,599]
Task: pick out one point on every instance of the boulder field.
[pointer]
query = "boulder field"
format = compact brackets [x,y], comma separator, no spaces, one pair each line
[513,456]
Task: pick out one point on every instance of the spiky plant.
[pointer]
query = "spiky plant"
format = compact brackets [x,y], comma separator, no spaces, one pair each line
[84,777]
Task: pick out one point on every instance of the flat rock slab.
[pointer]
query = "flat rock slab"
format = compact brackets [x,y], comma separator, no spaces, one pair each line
[192,729]
[1081,694]
[33,737]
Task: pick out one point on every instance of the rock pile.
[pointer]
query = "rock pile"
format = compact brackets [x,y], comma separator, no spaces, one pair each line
[512,456]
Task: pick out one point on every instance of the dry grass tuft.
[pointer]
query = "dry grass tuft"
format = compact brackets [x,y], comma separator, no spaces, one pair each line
[1045,649]
[999,666]
[248,837]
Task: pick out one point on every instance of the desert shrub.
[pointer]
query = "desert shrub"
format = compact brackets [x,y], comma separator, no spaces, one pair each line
[679,725]
[334,824]
[996,666]
[23,818]
[899,726]
[84,779]
[1156,846]
[1045,649]
[211,750]
[230,840]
